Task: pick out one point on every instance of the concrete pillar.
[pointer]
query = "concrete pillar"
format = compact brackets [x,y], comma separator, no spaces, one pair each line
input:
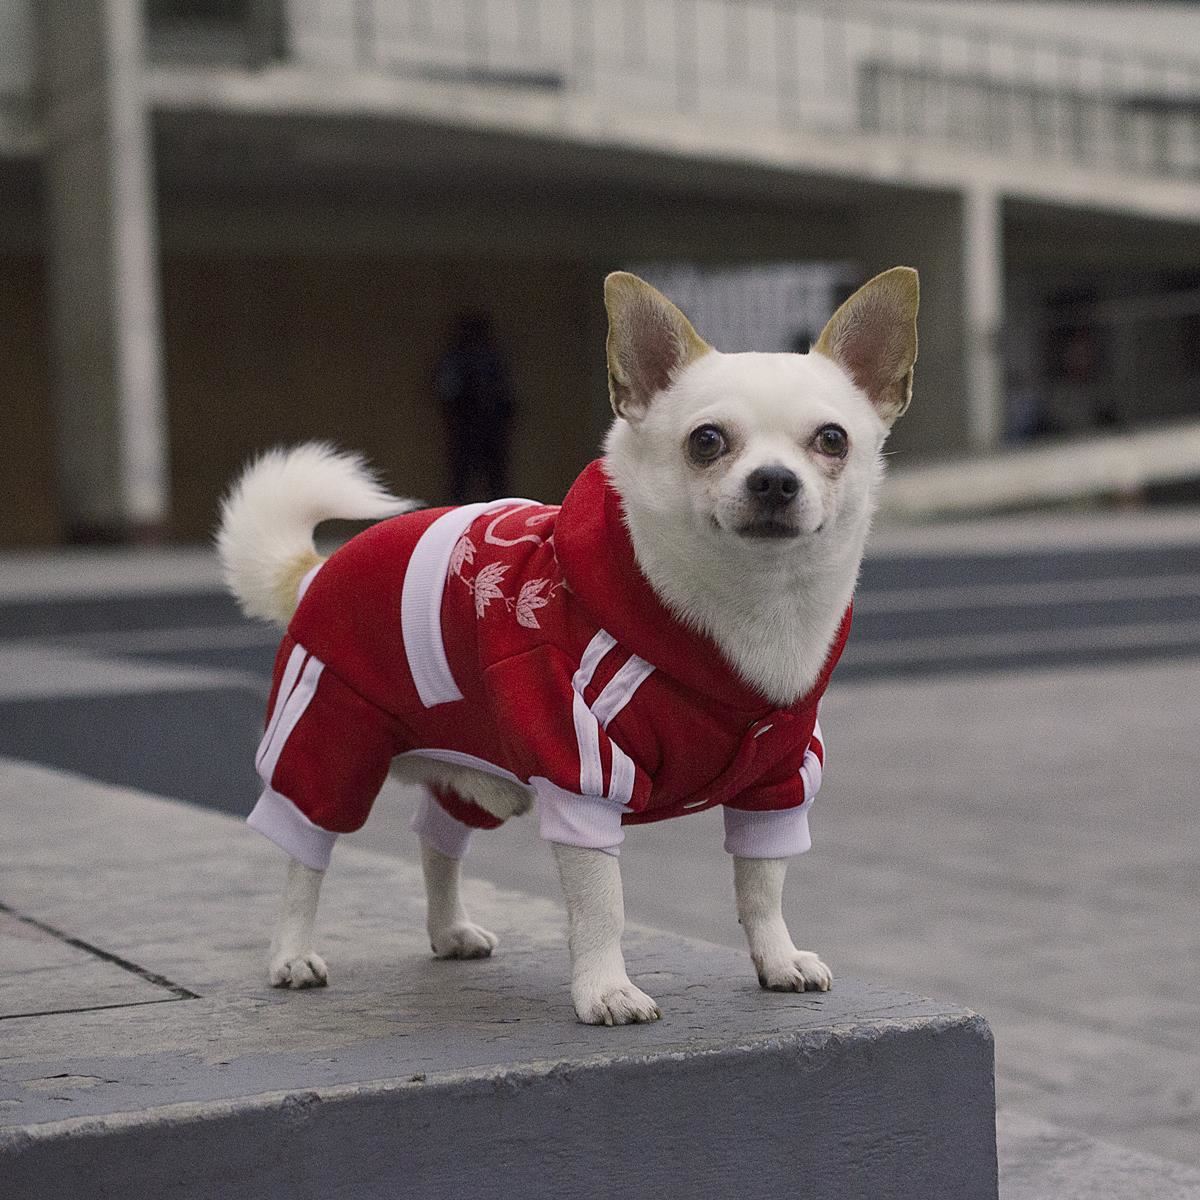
[953,239]
[102,269]
[983,267]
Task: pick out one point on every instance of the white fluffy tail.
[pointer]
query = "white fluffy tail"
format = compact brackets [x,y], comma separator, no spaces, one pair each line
[265,539]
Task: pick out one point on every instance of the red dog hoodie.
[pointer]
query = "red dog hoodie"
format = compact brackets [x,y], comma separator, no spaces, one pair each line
[523,640]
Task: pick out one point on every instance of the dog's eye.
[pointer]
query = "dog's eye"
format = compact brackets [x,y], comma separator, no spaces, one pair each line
[706,443]
[832,440]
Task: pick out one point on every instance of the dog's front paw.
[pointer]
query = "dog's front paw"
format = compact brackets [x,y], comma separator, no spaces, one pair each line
[299,970]
[464,940]
[619,1004]
[799,971]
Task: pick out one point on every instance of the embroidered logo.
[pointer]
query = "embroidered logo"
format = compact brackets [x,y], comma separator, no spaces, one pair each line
[486,584]
[493,538]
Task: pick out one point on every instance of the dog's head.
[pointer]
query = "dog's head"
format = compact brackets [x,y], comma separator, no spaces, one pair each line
[763,452]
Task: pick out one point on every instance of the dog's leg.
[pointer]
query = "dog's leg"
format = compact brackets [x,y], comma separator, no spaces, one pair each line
[444,841]
[781,967]
[452,934]
[294,963]
[600,987]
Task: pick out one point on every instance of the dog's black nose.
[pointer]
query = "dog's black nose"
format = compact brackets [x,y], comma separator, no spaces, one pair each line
[773,486]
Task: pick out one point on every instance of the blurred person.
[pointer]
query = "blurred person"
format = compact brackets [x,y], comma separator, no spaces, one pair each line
[1025,406]
[1077,399]
[474,388]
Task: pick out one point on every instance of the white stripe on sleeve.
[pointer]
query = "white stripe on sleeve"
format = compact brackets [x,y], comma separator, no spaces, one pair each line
[290,673]
[587,730]
[602,642]
[308,578]
[812,769]
[293,710]
[620,788]
[620,689]
[587,737]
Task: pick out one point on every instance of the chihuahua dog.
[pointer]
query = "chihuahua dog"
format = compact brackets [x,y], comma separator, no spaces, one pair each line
[656,645]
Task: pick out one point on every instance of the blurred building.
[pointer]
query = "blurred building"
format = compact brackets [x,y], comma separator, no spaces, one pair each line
[230,223]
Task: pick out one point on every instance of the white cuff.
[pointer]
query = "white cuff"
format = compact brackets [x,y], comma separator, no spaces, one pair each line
[590,822]
[277,818]
[778,834]
[437,828]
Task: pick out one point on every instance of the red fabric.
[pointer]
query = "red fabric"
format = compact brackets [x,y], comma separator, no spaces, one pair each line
[343,744]
[463,810]
[528,588]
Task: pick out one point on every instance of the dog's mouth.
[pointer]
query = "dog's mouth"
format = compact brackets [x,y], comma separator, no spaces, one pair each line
[769,529]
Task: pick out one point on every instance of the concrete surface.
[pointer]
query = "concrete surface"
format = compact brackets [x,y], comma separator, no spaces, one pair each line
[1022,842]
[1025,844]
[1040,1161]
[143,1053]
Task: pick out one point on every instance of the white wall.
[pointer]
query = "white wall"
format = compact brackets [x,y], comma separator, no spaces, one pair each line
[16,48]
[763,64]
[762,307]
[1171,29]
[17,74]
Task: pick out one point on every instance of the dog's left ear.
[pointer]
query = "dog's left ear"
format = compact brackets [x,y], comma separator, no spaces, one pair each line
[873,337]
[649,342]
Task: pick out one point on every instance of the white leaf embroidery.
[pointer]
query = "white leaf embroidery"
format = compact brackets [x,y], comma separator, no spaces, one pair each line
[529,599]
[464,552]
[486,586]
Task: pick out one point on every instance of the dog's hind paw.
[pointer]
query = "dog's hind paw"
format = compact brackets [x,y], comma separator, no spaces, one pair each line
[799,971]
[503,800]
[464,940]
[623,1004]
[299,971]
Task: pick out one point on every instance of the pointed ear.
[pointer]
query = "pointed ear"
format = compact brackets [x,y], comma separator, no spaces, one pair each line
[873,337]
[649,342]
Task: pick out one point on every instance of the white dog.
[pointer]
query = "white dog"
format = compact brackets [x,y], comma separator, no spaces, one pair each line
[657,645]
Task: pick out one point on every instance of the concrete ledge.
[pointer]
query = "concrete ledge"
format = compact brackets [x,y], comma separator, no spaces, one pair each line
[418,1078]
[158,740]
[1110,466]
[857,1111]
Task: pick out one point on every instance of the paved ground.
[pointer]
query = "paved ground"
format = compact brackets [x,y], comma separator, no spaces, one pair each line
[148,1041]
[1043,872]
[1009,819]
[949,599]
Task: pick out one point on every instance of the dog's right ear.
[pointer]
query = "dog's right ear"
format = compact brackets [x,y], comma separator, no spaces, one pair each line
[873,337]
[649,342]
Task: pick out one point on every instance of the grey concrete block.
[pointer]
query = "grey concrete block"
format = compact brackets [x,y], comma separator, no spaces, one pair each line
[856,1112]
[410,1077]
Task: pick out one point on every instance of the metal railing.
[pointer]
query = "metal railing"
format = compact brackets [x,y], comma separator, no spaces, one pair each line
[796,66]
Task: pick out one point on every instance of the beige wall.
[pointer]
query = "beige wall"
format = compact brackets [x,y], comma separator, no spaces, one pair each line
[28,489]
[268,351]
[263,351]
